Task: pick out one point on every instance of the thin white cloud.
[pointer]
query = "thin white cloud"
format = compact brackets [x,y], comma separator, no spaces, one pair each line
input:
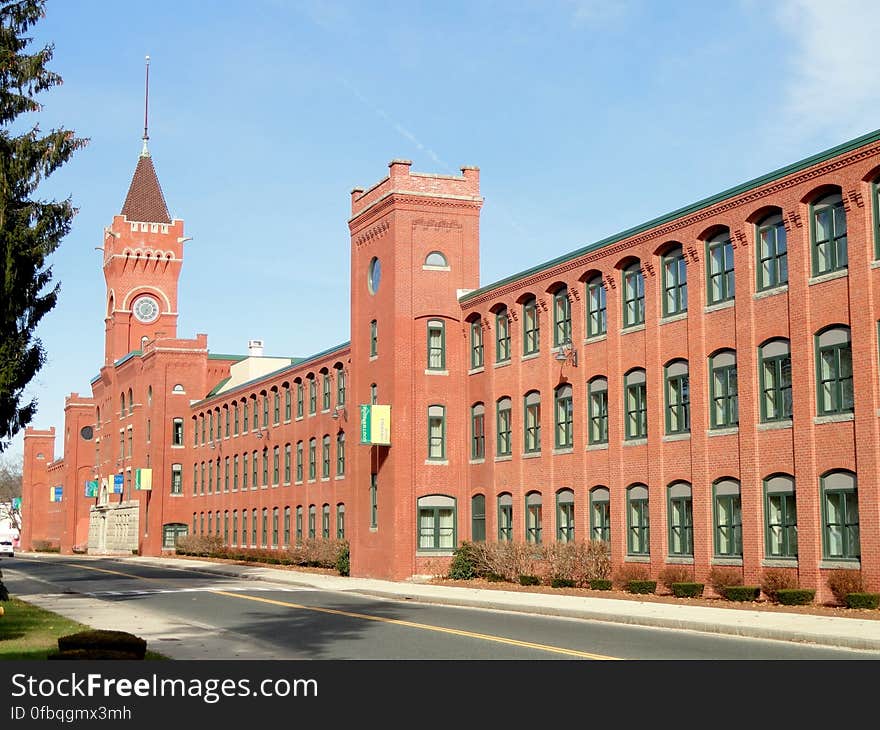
[833,88]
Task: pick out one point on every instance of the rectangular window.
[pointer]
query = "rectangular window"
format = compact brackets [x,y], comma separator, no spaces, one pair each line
[313,396]
[299,525]
[597,314]
[436,528]
[478,518]
[210,476]
[502,337]
[436,432]
[286,404]
[781,525]
[176,479]
[561,317]
[265,411]
[254,471]
[299,461]
[340,521]
[531,328]
[226,475]
[276,408]
[235,474]
[436,345]
[325,522]
[340,387]
[600,516]
[775,387]
[276,465]
[264,532]
[598,411]
[299,400]
[505,518]
[681,526]
[312,459]
[476,344]
[244,420]
[177,432]
[565,516]
[227,421]
[265,467]
[728,525]
[638,524]
[564,418]
[835,377]
[829,236]
[244,527]
[533,522]
[244,472]
[532,423]
[287,463]
[841,509]
[235,419]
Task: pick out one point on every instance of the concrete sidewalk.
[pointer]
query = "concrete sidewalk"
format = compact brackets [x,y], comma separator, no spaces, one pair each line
[832,631]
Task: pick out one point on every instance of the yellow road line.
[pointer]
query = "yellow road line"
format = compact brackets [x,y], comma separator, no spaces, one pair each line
[382,619]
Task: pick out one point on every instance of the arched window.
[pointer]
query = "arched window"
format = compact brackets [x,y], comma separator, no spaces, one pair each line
[325,521]
[565,515]
[637,520]
[503,419]
[478,434]
[780,515]
[598,410]
[533,517]
[772,251]
[840,516]
[178,388]
[532,422]
[435,259]
[122,405]
[723,390]
[678,399]
[436,344]
[130,402]
[597,307]
[719,251]
[675,300]
[828,232]
[312,517]
[505,517]
[340,521]
[531,326]
[564,417]
[325,456]
[728,518]
[478,517]
[476,328]
[502,335]
[774,369]
[561,317]
[600,514]
[633,295]
[681,520]
[636,404]
[436,432]
[436,517]
[834,373]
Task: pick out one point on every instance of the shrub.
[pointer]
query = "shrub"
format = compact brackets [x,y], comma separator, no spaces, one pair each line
[199,545]
[629,572]
[495,578]
[562,583]
[795,596]
[104,639]
[687,590]
[674,574]
[863,600]
[721,577]
[46,546]
[343,558]
[741,593]
[506,559]
[774,580]
[4,592]
[601,584]
[641,586]
[843,582]
[578,561]
[529,580]
[463,565]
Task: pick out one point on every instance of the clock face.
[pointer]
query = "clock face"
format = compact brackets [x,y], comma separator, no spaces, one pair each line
[146,309]
[374,274]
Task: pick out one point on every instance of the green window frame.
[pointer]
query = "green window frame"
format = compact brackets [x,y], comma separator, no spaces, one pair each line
[210,477]
[374,501]
[681,520]
[211,426]
[828,234]
[436,433]
[505,517]
[597,410]
[840,516]
[235,421]
[635,404]
[478,518]
[202,423]
[245,419]
[235,532]
[600,514]
[313,396]
[276,408]
[299,461]
[254,471]
[531,327]
[287,403]
[235,470]
[195,428]
[772,251]
[720,269]
[244,528]
[275,515]
[325,521]
[436,344]
[503,425]
[723,390]
[226,527]
[265,410]
[313,447]
[780,517]
[264,524]
[834,371]
[534,507]
[256,424]
[374,338]
[637,520]
[565,515]
[875,206]
[326,391]
[774,372]
[276,464]
[299,400]
[727,504]
[561,317]
[340,521]
[476,344]
[244,471]
[266,466]
[564,417]
[675,298]
[195,479]
[436,523]
[340,454]
[325,456]
[254,527]
[286,542]
[227,422]
[313,515]
[226,474]
[502,336]
[177,479]
[478,431]
[340,387]
[287,455]
[298,525]
[678,399]
[532,422]
[597,307]
[633,296]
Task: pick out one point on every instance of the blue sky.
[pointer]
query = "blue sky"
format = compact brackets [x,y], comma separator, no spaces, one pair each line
[585,117]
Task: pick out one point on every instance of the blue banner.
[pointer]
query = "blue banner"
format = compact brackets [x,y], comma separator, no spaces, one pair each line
[117,483]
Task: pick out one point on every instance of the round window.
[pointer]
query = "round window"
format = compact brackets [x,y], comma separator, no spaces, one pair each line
[87,432]
[374,274]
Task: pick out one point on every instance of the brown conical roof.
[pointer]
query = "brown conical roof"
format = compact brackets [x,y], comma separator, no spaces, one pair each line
[145,202]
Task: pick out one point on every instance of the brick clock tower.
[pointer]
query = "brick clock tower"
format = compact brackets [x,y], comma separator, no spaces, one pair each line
[143,253]
[414,249]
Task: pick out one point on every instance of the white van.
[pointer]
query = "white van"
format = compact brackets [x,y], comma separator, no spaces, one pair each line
[6,547]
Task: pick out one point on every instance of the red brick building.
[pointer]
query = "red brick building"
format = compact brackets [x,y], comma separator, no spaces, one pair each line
[701,389]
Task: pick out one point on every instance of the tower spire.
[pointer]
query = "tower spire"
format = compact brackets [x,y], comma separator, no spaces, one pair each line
[145,152]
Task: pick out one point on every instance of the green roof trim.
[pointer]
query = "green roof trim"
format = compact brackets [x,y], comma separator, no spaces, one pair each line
[219,356]
[296,362]
[693,207]
[95,379]
[126,358]
[217,387]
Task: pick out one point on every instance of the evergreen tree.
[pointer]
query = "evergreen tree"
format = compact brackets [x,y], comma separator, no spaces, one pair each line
[30,228]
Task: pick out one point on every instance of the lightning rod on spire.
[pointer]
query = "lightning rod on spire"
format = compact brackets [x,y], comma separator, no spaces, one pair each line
[145,152]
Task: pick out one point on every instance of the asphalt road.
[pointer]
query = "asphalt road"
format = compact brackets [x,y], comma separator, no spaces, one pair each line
[189,615]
